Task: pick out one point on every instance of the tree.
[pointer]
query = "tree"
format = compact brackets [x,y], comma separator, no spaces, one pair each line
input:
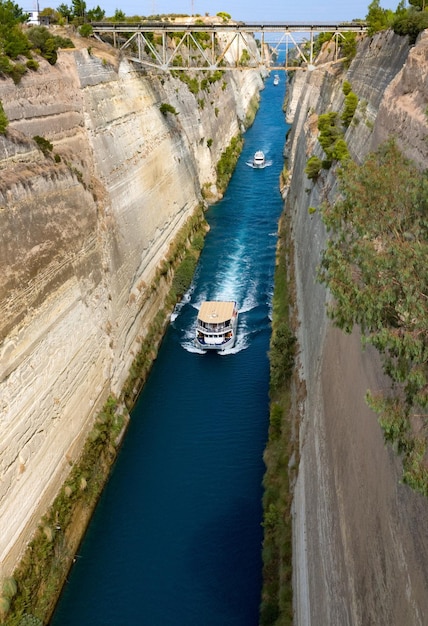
[411,23]
[377,18]
[65,11]
[119,16]
[52,14]
[79,8]
[418,4]
[13,42]
[95,15]
[11,12]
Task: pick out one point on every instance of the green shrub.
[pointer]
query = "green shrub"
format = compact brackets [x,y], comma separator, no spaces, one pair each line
[167,108]
[224,16]
[209,142]
[17,71]
[245,57]
[349,47]
[32,65]
[5,64]
[215,76]
[313,167]
[281,355]
[3,120]
[192,83]
[340,151]
[45,146]
[42,39]
[184,274]
[351,103]
[329,128]
[346,88]
[86,30]
[4,607]
[9,587]
[411,24]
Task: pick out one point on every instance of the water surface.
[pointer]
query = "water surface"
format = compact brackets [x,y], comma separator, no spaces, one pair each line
[176,538]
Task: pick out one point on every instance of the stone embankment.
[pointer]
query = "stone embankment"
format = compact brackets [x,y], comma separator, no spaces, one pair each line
[360,537]
[84,228]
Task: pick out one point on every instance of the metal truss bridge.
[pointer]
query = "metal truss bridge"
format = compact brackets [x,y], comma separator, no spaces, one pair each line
[182,46]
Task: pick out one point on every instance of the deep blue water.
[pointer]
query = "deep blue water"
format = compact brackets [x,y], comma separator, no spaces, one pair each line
[176,538]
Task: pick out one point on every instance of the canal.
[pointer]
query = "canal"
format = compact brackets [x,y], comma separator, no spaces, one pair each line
[176,538]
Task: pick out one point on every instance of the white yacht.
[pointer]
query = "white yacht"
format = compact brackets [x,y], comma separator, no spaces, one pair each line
[276,80]
[259,159]
[216,325]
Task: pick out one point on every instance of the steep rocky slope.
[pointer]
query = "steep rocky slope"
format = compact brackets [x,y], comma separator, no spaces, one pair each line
[84,228]
[360,537]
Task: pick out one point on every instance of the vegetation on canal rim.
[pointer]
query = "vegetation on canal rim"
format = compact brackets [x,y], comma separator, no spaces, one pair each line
[375,267]
[227,162]
[30,596]
[252,109]
[331,128]
[277,596]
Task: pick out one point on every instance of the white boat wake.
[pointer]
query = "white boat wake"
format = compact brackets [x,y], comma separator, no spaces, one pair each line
[259,167]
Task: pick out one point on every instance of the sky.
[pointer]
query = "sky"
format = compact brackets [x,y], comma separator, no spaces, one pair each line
[243,10]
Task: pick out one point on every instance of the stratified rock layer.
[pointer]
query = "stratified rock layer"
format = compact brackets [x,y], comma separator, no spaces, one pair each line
[360,537]
[84,227]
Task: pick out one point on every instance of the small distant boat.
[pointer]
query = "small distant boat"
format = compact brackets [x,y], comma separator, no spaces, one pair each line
[216,325]
[259,159]
[276,80]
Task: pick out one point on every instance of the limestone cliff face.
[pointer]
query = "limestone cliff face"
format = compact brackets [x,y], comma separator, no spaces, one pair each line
[360,537]
[83,229]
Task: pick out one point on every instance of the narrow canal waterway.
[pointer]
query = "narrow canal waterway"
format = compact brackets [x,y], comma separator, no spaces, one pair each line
[176,538]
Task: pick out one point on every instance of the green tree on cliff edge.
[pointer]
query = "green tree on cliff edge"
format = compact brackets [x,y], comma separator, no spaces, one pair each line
[375,266]
[12,41]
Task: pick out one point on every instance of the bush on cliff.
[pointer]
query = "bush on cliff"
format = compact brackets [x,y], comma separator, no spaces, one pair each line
[167,108]
[3,120]
[43,41]
[313,167]
[351,103]
[411,23]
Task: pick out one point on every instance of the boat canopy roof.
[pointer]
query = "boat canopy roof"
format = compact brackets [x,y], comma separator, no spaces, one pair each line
[216,311]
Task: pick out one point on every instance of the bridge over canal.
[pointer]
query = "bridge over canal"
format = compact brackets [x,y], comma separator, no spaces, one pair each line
[201,45]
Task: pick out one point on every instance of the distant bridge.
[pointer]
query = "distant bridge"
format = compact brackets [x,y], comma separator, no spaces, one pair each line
[182,46]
